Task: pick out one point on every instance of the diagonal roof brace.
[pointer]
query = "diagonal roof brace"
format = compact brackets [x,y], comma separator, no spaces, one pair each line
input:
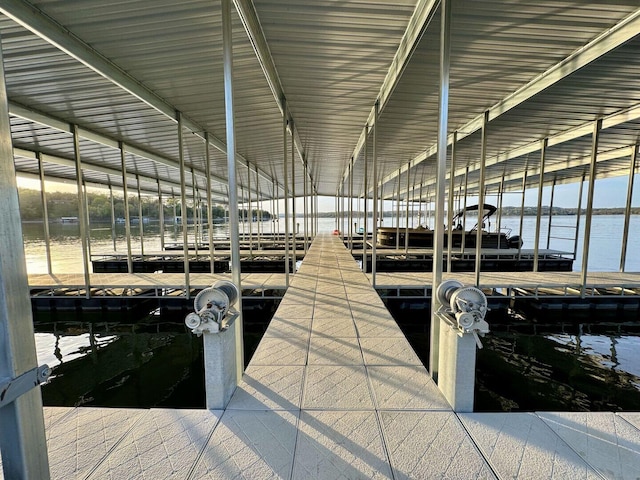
[36,21]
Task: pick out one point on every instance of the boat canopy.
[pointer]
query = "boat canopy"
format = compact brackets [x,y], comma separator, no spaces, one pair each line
[487,211]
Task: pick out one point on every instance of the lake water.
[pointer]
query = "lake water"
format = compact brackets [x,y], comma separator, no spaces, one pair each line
[575,364]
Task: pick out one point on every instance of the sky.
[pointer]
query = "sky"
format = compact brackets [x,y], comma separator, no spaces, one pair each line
[609,193]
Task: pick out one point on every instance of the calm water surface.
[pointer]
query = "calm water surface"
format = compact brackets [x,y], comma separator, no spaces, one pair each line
[573,364]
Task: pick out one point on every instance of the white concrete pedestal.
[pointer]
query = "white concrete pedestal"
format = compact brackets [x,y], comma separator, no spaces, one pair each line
[457,367]
[220,361]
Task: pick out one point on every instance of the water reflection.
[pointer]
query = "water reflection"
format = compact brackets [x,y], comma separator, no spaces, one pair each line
[558,371]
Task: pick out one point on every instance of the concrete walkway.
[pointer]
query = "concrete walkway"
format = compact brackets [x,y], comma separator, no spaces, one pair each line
[334,390]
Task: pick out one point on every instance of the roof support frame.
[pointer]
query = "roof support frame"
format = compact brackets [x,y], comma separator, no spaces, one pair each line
[418,23]
[604,43]
[37,22]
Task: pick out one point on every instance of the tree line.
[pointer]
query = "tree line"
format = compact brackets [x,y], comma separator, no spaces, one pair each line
[61,204]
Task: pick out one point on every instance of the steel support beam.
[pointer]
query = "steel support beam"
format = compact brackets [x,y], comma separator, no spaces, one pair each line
[604,43]
[31,18]
[374,239]
[441,171]
[536,246]
[82,213]
[184,217]
[127,216]
[45,214]
[22,439]
[627,209]
[479,230]
[597,126]
[232,168]
[286,201]
[450,207]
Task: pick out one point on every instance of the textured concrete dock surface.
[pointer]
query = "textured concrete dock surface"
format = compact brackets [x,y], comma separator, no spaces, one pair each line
[334,390]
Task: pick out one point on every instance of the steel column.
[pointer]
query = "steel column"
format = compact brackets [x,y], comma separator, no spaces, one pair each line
[293,200]
[258,208]
[578,215]
[553,191]
[250,211]
[161,216]
[22,440]
[365,197]
[452,178]
[479,230]
[464,209]
[194,193]
[127,216]
[82,213]
[536,246]
[306,208]
[207,169]
[113,216]
[286,197]
[441,172]
[140,227]
[374,238]
[232,175]
[590,195]
[351,206]
[45,213]
[627,209]
[183,207]
[524,191]
[406,229]
[397,213]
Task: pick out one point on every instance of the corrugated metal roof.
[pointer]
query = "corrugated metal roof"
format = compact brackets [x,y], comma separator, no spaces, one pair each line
[331,61]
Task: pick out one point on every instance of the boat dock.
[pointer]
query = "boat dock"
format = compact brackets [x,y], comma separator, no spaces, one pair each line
[334,390]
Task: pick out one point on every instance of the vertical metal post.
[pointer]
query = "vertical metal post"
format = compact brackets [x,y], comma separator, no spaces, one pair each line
[464,209]
[127,216]
[232,173]
[406,229]
[479,230]
[306,208]
[398,211]
[578,215]
[194,193]
[351,205]
[500,198]
[536,246]
[22,441]
[524,191]
[441,172]
[82,212]
[590,194]
[366,199]
[286,194]
[553,191]
[141,222]
[293,201]
[250,211]
[113,216]
[452,177]
[627,209]
[207,171]
[161,215]
[374,239]
[258,208]
[45,213]
[183,207]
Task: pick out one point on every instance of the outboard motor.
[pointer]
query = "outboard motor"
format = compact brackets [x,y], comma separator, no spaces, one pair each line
[515,241]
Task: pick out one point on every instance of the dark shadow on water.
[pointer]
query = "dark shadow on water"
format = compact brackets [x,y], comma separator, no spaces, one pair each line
[565,363]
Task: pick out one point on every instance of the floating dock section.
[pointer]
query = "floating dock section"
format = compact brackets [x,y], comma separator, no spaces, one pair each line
[334,390]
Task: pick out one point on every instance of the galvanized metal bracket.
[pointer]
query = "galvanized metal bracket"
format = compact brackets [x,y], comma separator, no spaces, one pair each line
[12,388]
